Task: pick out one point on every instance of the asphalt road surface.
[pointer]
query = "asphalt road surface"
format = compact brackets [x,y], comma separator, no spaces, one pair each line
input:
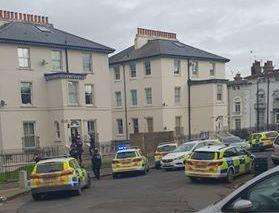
[158,191]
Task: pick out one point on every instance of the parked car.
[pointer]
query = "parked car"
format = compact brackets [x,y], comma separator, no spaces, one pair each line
[263,140]
[161,151]
[129,161]
[58,174]
[233,140]
[175,159]
[219,162]
[257,195]
[275,151]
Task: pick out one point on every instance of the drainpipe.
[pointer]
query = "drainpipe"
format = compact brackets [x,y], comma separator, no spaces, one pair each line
[258,113]
[267,107]
[125,102]
[189,99]
[66,57]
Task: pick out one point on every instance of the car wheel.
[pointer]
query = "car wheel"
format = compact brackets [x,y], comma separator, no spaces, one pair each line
[36,196]
[276,162]
[77,192]
[157,166]
[193,179]
[230,176]
[114,176]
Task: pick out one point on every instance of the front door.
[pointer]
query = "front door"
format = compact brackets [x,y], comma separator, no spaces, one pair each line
[75,128]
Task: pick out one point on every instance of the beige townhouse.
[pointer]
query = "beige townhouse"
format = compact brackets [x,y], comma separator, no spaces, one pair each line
[53,84]
[161,84]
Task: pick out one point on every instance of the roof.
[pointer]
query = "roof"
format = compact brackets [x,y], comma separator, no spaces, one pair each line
[163,47]
[30,34]
[213,148]
[167,144]
[58,159]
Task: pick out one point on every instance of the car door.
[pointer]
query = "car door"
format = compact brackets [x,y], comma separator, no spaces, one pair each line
[244,160]
[262,194]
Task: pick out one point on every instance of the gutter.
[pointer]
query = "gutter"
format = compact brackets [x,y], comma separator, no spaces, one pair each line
[189,99]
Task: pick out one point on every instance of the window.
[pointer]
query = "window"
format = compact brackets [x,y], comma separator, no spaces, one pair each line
[133,70]
[134,97]
[91,127]
[116,73]
[136,125]
[89,94]
[149,124]
[29,140]
[178,121]
[177,94]
[119,126]
[87,62]
[263,195]
[118,99]
[147,67]
[177,66]
[237,123]
[57,130]
[277,118]
[26,92]
[237,106]
[212,69]
[230,153]
[219,92]
[72,89]
[148,95]
[56,60]
[23,58]
[194,67]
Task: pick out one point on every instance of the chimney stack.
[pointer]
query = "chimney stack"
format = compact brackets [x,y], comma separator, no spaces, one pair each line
[8,16]
[256,69]
[268,68]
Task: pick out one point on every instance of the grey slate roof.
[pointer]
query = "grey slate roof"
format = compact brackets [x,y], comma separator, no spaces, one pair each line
[162,47]
[29,34]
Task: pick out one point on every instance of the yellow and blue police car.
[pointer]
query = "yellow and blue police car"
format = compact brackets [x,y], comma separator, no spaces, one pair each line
[58,174]
[218,161]
[129,160]
[262,140]
[161,151]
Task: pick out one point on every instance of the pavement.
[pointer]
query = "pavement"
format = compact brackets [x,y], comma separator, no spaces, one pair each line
[158,191]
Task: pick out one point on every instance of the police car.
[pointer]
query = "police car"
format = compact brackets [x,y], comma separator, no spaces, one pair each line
[58,174]
[175,159]
[218,162]
[161,151]
[262,140]
[129,160]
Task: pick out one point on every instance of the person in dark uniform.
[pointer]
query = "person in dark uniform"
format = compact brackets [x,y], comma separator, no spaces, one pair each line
[96,163]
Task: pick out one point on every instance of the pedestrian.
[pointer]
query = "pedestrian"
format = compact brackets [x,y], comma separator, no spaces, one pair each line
[79,146]
[96,163]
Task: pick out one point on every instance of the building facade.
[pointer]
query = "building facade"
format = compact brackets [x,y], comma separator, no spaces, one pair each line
[160,84]
[52,84]
[254,100]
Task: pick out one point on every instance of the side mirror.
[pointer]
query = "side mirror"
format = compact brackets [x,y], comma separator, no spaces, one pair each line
[242,205]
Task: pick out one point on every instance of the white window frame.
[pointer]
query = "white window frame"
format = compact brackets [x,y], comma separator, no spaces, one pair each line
[150,120]
[116,73]
[148,95]
[134,97]
[87,65]
[22,58]
[91,94]
[31,92]
[212,70]
[120,126]
[133,69]
[29,135]
[88,124]
[54,61]
[194,68]
[220,92]
[57,130]
[237,106]
[133,121]
[177,95]
[118,99]
[177,66]
[237,123]
[147,67]
[277,117]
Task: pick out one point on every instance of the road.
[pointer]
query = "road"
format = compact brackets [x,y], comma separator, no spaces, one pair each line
[158,191]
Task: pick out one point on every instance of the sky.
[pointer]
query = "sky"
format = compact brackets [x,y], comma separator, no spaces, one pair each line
[241,30]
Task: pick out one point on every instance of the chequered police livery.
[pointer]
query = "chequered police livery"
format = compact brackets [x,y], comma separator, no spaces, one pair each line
[226,162]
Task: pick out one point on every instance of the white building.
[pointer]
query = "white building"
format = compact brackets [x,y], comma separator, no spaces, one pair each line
[150,87]
[243,98]
[52,84]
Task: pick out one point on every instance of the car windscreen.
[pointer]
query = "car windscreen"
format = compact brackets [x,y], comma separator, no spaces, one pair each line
[256,136]
[199,155]
[185,147]
[49,167]
[230,140]
[166,148]
[123,155]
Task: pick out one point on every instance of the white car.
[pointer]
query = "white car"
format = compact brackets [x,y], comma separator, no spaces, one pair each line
[175,159]
[261,194]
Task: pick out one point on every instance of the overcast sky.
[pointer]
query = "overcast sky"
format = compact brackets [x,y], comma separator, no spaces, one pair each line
[230,28]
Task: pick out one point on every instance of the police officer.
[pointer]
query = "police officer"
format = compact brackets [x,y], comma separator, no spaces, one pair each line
[96,163]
